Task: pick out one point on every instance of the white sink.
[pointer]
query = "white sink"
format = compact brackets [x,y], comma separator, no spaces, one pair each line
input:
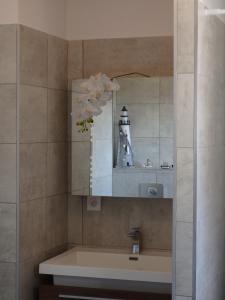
[154,267]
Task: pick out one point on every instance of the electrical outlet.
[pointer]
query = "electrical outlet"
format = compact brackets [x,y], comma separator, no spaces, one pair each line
[93,203]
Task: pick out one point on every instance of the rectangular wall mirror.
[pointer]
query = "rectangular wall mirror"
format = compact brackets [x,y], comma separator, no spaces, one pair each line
[128,151]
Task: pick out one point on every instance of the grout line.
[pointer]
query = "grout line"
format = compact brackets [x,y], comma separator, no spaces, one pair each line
[175,75]
[47,142]
[194,230]
[8,262]
[8,143]
[82,229]
[185,73]
[18,280]
[184,222]
[41,87]
[83,54]
[42,197]
[8,203]
[10,83]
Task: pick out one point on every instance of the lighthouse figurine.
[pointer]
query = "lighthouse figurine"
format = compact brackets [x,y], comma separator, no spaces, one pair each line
[125,153]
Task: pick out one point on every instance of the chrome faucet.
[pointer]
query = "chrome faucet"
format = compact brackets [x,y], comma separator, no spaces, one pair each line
[135,234]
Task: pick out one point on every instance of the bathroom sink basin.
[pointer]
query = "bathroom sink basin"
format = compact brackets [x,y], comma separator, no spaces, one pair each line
[110,264]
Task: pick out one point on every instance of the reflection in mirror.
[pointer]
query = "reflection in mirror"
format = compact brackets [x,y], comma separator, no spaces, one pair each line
[128,151]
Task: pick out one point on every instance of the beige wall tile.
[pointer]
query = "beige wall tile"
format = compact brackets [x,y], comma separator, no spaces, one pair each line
[185,110]
[157,223]
[185,36]
[166,153]
[166,90]
[153,56]
[8,173]
[29,282]
[210,222]
[8,281]
[166,120]
[184,118]
[33,57]
[75,61]
[33,114]
[32,229]
[7,113]
[109,228]
[56,221]
[184,262]
[185,64]
[57,115]
[57,63]
[211,111]
[138,90]
[145,117]
[43,164]
[56,251]
[75,220]
[211,48]
[185,184]
[8,232]
[56,169]
[8,35]
[33,171]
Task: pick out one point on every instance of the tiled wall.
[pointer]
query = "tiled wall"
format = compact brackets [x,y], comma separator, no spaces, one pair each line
[210,242]
[153,56]
[184,110]
[42,119]
[8,162]
[109,228]
[43,151]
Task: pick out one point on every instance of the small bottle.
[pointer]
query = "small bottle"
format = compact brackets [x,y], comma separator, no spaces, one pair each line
[148,164]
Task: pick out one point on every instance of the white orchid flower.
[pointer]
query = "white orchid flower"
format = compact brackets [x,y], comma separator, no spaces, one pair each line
[107,96]
[98,91]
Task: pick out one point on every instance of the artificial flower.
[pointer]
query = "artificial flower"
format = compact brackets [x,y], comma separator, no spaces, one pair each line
[97,92]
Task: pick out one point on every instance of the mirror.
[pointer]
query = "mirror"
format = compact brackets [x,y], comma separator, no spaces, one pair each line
[128,151]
